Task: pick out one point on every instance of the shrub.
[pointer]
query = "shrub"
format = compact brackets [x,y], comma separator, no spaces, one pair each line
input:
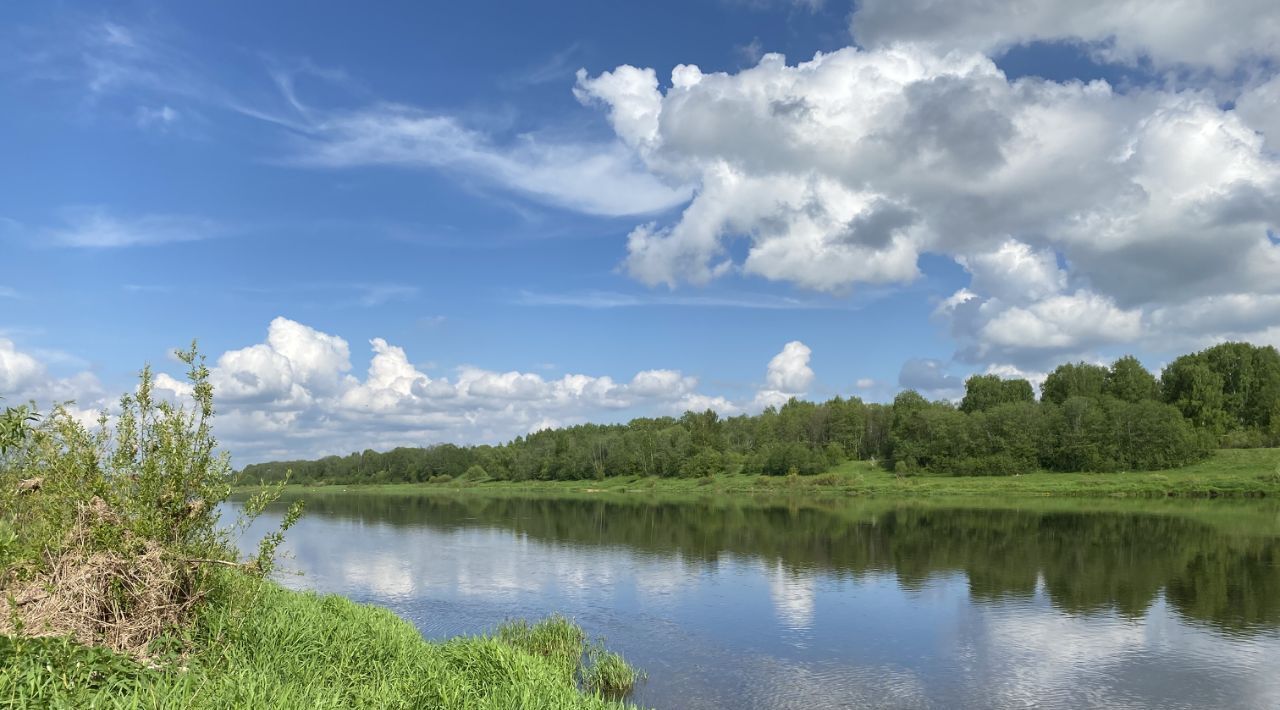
[475,474]
[109,536]
[826,479]
[15,426]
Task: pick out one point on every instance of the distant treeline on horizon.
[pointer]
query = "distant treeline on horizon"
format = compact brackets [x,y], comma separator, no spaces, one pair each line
[1088,418]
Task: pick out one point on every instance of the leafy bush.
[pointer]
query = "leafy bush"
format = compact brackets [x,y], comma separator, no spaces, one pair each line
[15,425]
[475,474]
[109,535]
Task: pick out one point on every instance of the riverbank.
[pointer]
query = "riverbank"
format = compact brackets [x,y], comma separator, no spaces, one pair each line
[1228,473]
[121,586]
[260,645]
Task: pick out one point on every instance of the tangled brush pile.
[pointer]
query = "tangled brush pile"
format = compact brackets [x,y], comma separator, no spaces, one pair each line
[122,601]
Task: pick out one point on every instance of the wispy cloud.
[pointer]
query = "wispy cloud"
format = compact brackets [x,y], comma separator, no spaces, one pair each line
[614,299]
[560,65]
[155,117]
[751,51]
[165,82]
[9,292]
[810,6]
[150,72]
[363,294]
[596,178]
[111,58]
[95,228]
[146,288]
[378,294]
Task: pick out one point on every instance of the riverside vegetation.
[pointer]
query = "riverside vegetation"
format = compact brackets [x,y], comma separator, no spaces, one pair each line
[119,589]
[1226,473]
[1088,419]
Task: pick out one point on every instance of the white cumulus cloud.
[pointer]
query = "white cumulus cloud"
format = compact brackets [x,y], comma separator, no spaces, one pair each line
[1213,34]
[295,395]
[18,370]
[1077,209]
[788,375]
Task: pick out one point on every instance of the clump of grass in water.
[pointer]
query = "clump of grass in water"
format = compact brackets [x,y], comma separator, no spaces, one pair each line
[609,674]
[564,645]
[556,639]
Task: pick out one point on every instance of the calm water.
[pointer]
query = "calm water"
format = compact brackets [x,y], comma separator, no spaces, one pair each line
[840,605]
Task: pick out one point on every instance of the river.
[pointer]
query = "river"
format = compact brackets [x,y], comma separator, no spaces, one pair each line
[815,604]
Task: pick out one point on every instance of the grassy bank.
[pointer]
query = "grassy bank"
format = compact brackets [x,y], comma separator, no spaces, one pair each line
[1229,473]
[286,649]
[120,587]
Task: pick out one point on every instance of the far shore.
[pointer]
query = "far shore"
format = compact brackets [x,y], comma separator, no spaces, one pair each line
[1228,473]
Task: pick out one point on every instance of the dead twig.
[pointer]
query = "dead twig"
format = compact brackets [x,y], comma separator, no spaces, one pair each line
[202,561]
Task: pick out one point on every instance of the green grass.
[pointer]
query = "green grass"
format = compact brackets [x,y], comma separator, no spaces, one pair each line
[288,649]
[610,674]
[557,639]
[1228,473]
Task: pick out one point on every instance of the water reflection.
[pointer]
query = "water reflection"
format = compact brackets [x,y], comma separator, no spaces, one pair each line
[841,604]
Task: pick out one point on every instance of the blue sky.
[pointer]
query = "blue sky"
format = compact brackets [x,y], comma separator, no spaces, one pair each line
[590,211]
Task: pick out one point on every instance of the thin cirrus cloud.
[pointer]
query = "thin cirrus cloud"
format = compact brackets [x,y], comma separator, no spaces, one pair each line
[599,300]
[378,294]
[602,179]
[96,228]
[599,178]
[351,293]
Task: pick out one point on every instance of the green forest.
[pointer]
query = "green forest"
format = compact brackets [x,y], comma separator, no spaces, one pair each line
[1088,418]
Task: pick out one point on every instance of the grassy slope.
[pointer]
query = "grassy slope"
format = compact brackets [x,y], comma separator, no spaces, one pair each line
[1234,473]
[299,650]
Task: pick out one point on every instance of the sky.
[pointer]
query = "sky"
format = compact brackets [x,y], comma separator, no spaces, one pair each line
[462,222]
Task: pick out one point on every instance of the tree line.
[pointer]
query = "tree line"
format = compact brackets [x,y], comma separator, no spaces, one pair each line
[1087,418]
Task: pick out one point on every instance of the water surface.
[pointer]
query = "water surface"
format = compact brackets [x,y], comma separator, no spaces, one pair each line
[835,604]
